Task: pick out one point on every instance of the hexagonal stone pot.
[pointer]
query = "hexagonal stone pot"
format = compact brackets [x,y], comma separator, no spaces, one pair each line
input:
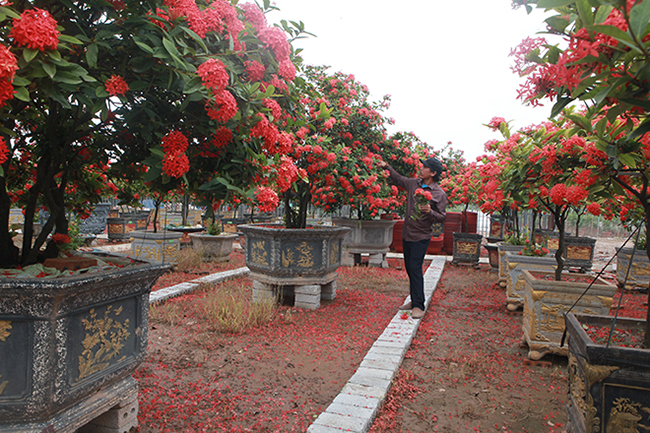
[371,237]
[70,344]
[216,248]
[546,301]
[609,387]
[293,262]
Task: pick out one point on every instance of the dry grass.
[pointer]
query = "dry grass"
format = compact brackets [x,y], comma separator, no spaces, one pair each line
[188,259]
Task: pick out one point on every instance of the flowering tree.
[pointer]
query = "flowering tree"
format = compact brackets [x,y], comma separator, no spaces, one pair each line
[177,83]
[603,63]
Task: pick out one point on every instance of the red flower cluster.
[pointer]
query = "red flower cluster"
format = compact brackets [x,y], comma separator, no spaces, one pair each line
[223,107]
[254,70]
[60,239]
[8,64]
[116,85]
[214,75]
[267,199]
[175,162]
[4,151]
[268,131]
[287,70]
[35,29]
[254,15]
[276,40]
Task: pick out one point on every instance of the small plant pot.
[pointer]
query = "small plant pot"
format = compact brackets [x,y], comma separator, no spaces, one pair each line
[216,248]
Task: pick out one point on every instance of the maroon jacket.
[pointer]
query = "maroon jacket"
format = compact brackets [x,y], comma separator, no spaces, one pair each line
[420,228]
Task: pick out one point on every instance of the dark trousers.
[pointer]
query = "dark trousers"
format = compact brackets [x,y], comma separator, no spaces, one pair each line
[413,260]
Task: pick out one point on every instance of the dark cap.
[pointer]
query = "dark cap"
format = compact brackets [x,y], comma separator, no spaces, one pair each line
[433,164]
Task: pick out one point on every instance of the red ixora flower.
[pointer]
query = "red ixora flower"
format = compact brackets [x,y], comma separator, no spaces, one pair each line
[174,142]
[223,107]
[214,75]
[6,91]
[176,164]
[60,238]
[116,85]
[8,64]
[4,151]
[35,29]
[254,70]
[267,199]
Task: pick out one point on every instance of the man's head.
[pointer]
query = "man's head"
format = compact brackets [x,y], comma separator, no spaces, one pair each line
[431,167]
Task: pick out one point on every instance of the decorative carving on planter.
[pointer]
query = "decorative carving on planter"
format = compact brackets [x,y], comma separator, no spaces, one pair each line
[503,265]
[467,248]
[293,263]
[163,246]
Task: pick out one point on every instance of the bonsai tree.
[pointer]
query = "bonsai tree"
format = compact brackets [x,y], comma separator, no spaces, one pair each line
[605,65]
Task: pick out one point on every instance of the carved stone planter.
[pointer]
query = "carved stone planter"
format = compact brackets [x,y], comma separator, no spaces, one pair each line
[503,266]
[579,252]
[515,265]
[546,301]
[216,248]
[298,263]
[163,246]
[493,256]
[372,237]
[639,275]
[70,344]
[467,248]
[120,228]
[609,387]
[96,222]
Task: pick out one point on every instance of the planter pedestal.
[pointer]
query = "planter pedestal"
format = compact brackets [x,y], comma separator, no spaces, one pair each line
[298,264]
[372,237]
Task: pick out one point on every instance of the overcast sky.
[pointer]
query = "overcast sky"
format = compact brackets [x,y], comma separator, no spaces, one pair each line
[445,64]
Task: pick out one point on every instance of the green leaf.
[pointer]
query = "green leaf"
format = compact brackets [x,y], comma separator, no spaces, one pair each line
[617,34]
[20,81]
[70,39]
[50,69]
[170,47]
[9,12]
[639,18]
[600,127]
[194,85]
[144,47]
[101,92]
[561,103]
[580,120]
[197,38]
[586,12]
[628,160]
[67,77]
[557,23]
[641,129]
[23,94]
[54,54]
[551,4]
[29,54]
[91,55]
[602,13]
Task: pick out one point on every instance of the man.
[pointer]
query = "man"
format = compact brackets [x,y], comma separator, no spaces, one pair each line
[417,230]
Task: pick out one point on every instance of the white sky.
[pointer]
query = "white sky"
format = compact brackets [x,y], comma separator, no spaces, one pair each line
[445,64]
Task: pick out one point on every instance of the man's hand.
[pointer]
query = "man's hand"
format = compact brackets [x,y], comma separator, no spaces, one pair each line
[425,209]
[382,164]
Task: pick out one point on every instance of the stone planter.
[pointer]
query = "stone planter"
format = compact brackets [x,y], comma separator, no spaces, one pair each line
[96,223]
[579,252]
[639,275]
[69,346]
[497,225]
[216,248]
[16,217]
[298,263]
[546,301]
[609,387]
[120,228]
[167,218]
[467,248]
[503,266]
[371,237]
[163,246]
[515,265]
[493,256]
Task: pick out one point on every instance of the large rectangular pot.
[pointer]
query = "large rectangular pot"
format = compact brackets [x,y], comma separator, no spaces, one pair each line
[163,246]
[609,387]
[515,265]
[546,301]
[69,344]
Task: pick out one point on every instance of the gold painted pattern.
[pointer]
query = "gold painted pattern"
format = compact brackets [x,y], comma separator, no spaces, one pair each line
[115,228]
[625,416]
[147,252]
[334,253]
[5,326]
[466,247]
[287,258]
[552,319]
[306,259]
[258,253]
[103,341]
[3,385]
[578,252]
[170,252]
[553,244]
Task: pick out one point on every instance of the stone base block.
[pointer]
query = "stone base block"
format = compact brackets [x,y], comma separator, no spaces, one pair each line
[307,297]
[120,419]
[328,291]
[378,261]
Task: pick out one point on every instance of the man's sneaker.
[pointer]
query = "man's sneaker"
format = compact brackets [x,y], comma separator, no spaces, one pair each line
[406,306]
[417,313]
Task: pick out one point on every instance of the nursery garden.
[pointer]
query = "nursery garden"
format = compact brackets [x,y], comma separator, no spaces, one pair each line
[197,232]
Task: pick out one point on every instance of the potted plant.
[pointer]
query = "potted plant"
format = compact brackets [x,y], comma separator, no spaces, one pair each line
[614,127]
[214,244]
[85,93]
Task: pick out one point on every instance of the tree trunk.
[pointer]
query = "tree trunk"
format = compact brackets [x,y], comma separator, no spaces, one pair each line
[559,223]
